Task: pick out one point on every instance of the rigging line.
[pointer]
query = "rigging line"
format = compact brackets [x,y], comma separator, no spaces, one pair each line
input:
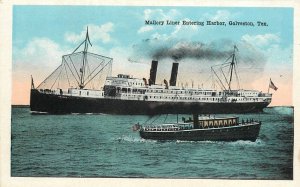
[228,58]
[165,118]
[218,78]
[78,47]
[49,76]
[110,69]
[224,76]
[155,119]
[67,74]
[213,81]
[228,72]
[72,73]
[236,72]
[74,69]
[237,77]
[210,77]
[226,63]
[96,68]
[219,84]
[98,56]
[56,78]
[88,71]
[147,120]
[97,73]
[100,82]
[98,86]
[73,54]
[83,67]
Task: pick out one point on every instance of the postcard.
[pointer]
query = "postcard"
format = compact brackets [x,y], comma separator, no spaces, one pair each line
[140,93]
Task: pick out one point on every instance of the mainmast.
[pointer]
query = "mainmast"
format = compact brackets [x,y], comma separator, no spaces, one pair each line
[232,67]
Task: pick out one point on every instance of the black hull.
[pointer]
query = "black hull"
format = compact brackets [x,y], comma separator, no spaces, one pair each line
[57,104]
[242,132]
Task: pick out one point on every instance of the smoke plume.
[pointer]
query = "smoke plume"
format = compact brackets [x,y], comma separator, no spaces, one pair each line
[215,51]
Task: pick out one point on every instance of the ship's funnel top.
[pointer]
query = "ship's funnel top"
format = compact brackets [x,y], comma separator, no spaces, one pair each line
[153,71]
[174,74]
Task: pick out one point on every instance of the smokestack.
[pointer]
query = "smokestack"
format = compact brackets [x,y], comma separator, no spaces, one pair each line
[174,74]
[153,71]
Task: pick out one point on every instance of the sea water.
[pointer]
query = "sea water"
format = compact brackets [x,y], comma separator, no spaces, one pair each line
[102,145]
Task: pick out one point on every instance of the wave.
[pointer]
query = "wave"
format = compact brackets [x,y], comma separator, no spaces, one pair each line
[239,142]
[258,142]
[88,114]
[124,138]
[38,113]
[132,139]
[283,110]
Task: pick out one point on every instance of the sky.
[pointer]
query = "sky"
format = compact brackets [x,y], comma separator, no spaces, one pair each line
[42,34]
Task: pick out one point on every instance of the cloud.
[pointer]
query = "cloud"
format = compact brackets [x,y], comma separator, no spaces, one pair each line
[181,30]
[157,14]
[96,33]
[220,15]
[261,40]
[145,29]
[160,14]
[39,51]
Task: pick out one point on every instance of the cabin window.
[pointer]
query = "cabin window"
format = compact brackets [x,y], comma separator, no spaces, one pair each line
[225,123]
[79,92]
[234,121]
[220,123]
[87,93]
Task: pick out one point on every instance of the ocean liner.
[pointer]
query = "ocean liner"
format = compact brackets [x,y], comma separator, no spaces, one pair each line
[83,84]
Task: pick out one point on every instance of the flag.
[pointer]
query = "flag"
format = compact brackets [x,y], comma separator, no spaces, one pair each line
[272,85]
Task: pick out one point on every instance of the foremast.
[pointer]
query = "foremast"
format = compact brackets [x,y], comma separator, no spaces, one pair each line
[86,43]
